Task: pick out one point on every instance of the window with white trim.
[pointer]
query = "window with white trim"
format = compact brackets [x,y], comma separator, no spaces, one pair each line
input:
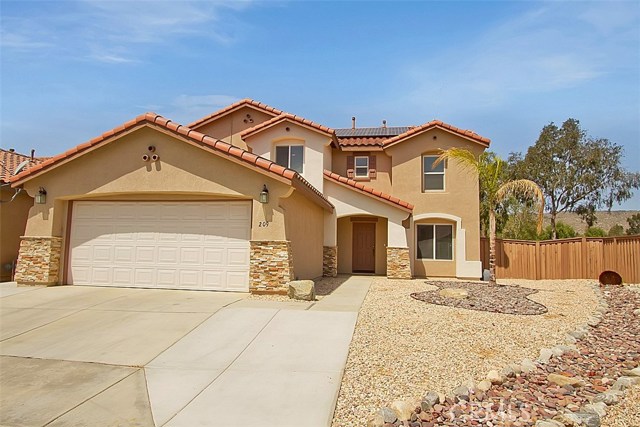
[290,156]
[432,176]
[361,166]
[434,241]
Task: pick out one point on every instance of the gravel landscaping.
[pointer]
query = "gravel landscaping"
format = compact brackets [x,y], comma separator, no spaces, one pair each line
[403,347]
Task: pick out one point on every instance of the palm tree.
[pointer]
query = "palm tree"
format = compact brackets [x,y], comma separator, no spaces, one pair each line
[495,189]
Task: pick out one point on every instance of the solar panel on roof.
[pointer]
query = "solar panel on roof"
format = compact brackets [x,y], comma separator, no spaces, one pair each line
[368,132]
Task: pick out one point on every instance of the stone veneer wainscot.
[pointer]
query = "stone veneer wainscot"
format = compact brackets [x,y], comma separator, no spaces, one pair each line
[329,261]
[271,266]
[39,261]
[398,263]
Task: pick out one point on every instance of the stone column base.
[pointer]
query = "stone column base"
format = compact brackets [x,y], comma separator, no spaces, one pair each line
[329,261]
[270,266]
[398,263]
[39,261]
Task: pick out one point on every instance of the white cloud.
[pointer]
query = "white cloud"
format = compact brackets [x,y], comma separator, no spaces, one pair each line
[544,50]
[88,28]
[188,108]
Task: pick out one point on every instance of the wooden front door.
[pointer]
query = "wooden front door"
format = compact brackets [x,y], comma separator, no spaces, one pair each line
[364,247]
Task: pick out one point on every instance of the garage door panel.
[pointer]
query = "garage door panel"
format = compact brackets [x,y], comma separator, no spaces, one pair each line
[145,254]
[237,257]
[123,276]
[144,277]
[183,245]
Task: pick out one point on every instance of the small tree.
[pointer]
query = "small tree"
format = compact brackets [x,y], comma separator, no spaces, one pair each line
[521,224]
[494,189]
[595,232]
[563,231]
[634,224]
[577,173]
[616,230]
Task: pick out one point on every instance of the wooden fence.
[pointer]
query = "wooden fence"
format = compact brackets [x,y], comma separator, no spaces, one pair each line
[577,258]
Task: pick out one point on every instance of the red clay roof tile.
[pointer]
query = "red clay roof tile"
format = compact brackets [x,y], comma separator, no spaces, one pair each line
[437,123]
[368,190]
[152,119]
[286,116]
[234,106]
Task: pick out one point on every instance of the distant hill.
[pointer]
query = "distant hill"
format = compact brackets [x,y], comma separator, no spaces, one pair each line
[605,220]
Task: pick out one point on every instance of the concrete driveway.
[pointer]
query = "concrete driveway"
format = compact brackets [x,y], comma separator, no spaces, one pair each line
[72,356]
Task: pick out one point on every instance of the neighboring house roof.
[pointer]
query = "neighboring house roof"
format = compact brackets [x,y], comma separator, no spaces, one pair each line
[204,141]
[291,118]
[469,134]
[368,190]
[10,160]
[233,107]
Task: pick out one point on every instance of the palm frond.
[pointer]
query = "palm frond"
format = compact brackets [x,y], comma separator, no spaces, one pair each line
[527,189]
[464,157]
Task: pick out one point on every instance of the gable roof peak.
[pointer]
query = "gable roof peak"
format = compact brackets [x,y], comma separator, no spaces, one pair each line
[233,107]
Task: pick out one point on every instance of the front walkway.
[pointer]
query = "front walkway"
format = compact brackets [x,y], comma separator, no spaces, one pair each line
[109,356]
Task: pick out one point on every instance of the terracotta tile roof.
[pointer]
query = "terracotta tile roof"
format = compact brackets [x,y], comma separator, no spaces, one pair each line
[363,141]
[291,117]
[440,124]
[368,190]
[10,160]
[204,141]
[235,106]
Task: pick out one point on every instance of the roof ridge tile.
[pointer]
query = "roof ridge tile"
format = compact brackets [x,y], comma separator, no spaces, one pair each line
[368,190]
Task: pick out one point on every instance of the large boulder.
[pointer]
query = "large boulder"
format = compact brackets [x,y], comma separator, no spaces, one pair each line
[456,293]
[303,290]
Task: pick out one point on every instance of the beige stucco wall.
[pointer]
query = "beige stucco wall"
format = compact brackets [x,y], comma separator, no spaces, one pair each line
[315,143]
[435,268]
[13,219]
[304,229]
[381,182]
[229,127]
[184,172]
[460,197]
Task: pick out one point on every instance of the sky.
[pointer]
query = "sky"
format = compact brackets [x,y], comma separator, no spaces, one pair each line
[71,70]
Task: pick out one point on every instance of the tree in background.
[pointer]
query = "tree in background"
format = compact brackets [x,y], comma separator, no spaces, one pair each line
[616,230]
[634,224]
[521,224]
[576,173]
[495,188]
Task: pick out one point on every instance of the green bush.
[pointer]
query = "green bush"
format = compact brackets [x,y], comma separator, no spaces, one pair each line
[595,232]
[563,231]
[616,230]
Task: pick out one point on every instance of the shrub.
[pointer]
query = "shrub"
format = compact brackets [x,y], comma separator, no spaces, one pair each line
[616,230]
[563,230]
[595,232]
[634,224]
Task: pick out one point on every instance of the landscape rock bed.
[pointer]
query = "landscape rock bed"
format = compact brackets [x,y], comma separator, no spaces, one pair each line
[402,347]
[560,390]
[484,297]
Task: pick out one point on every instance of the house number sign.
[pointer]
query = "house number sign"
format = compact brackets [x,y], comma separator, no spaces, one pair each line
[263,224]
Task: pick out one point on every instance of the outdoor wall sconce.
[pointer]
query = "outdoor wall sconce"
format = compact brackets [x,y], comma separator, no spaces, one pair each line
[264,194]
[41,196]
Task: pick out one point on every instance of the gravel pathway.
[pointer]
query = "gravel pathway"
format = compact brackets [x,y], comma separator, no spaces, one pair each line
[403,347]
[627,413]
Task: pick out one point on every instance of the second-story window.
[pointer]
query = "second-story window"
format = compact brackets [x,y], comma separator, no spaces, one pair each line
[362,166]
[290,156]
[432,176]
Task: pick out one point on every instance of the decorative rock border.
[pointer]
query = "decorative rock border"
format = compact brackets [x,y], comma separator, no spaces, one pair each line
[547,392]
[482,297]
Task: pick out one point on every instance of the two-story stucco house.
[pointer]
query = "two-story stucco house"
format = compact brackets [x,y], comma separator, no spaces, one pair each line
[249,198]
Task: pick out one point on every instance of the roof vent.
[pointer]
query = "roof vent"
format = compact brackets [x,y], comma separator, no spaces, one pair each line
[353,122]
[384,124]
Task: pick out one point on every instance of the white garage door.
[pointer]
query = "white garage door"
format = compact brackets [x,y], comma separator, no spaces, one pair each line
[178,245]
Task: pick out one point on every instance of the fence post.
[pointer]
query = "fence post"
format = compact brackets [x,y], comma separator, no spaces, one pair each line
[536,260]
[583,251]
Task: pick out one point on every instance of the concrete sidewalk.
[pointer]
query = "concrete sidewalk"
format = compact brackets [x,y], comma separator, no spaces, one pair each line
[107,356]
